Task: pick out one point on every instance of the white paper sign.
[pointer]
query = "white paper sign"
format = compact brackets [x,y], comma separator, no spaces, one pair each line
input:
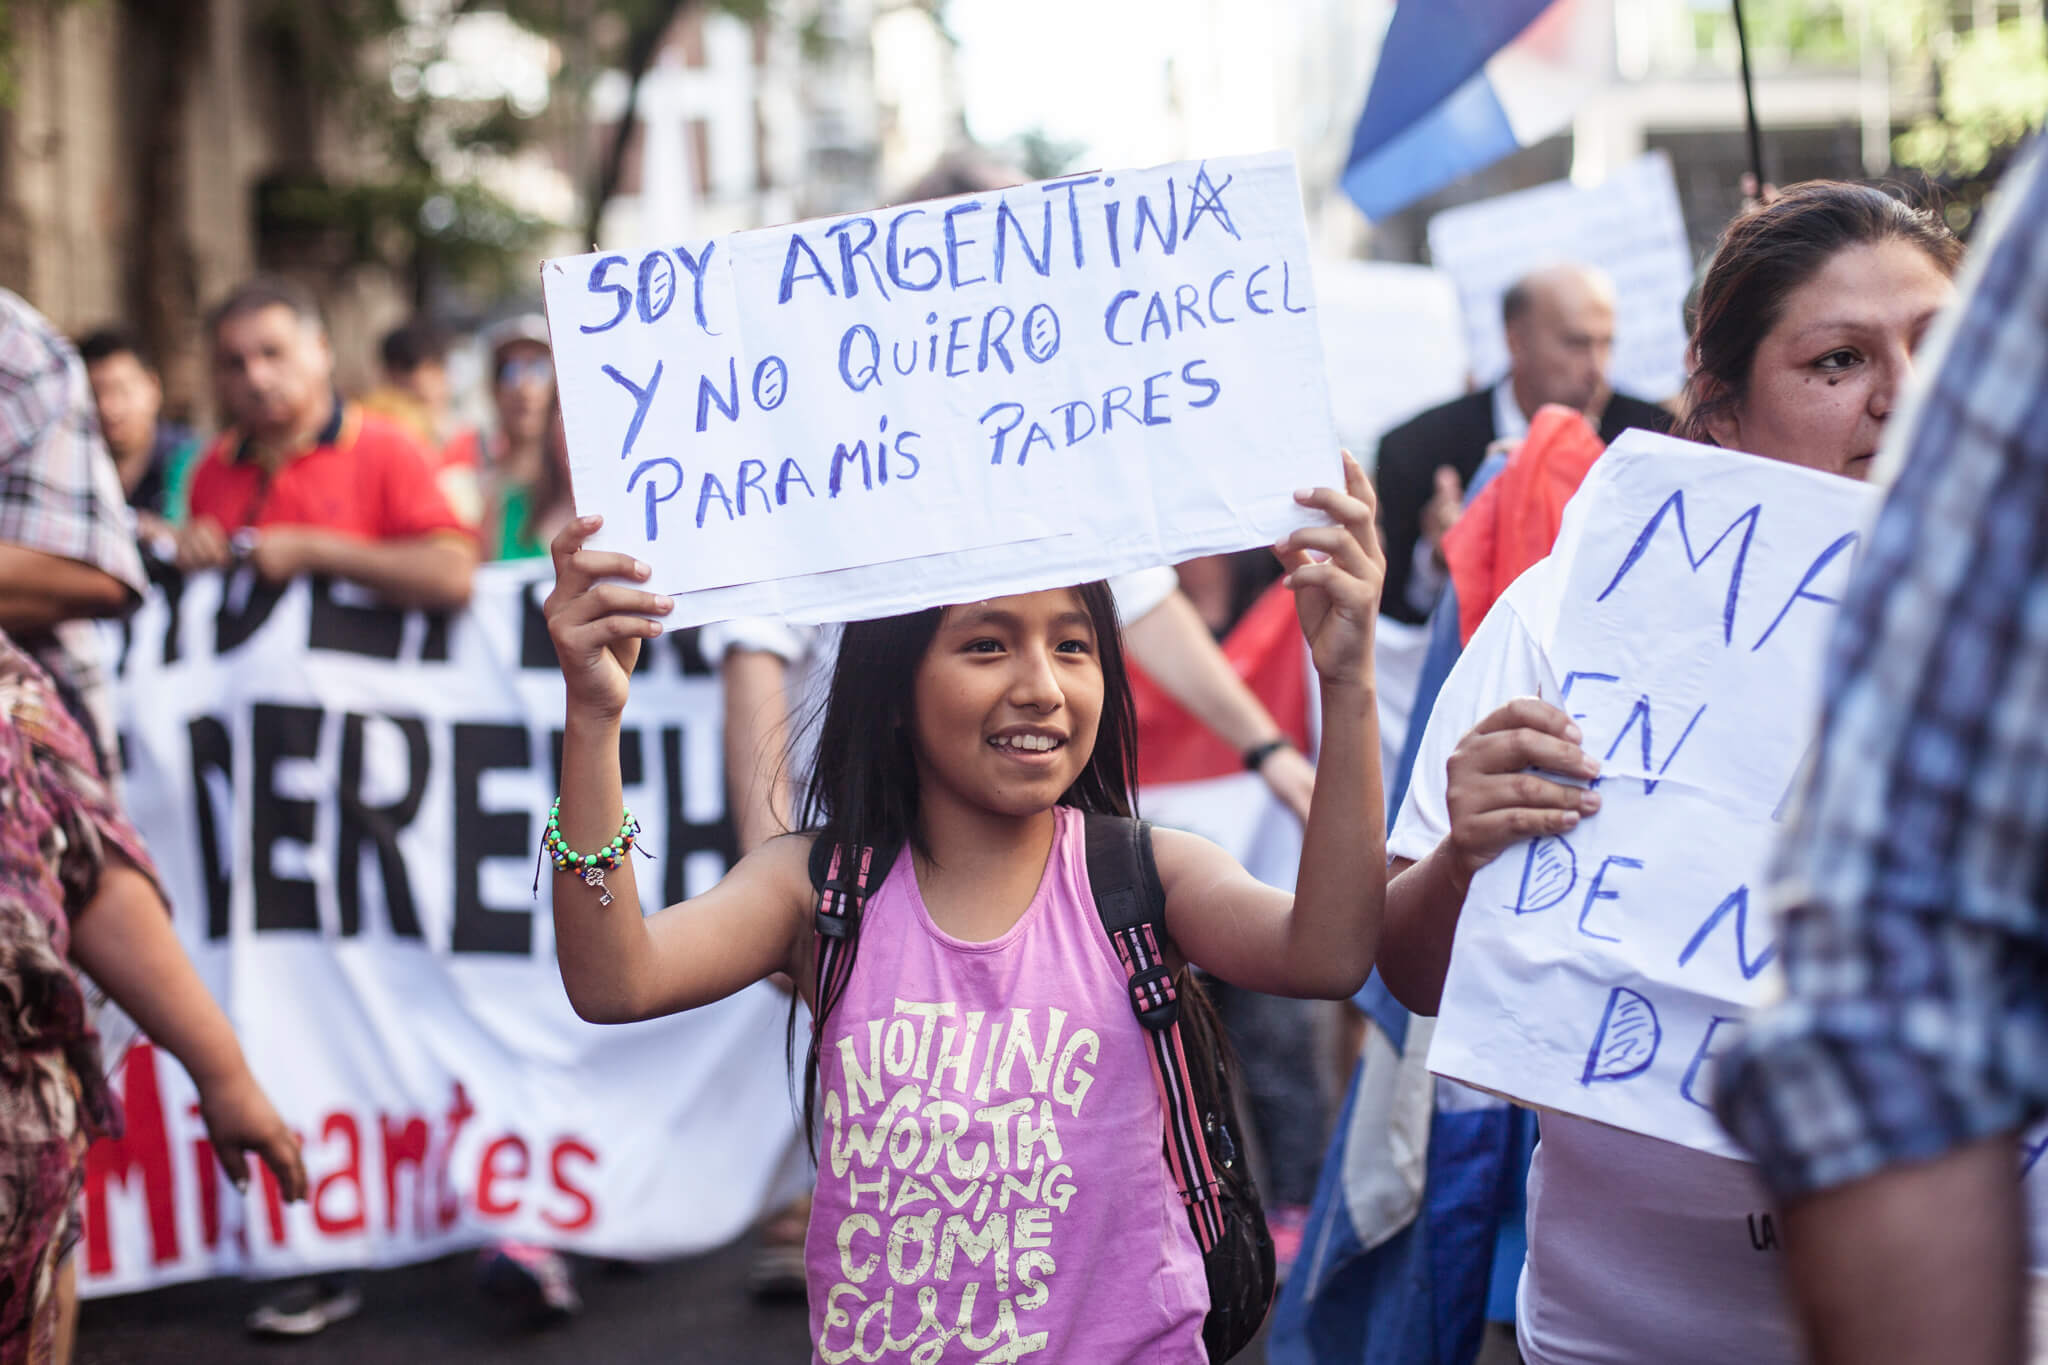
[1631,227]
[1601,972]
[937,402]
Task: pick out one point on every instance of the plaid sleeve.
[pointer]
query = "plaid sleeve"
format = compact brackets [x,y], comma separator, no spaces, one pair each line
[1914,883]
[59,491]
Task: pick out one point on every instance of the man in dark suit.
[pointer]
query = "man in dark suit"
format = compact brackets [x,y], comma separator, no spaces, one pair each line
[1560,333]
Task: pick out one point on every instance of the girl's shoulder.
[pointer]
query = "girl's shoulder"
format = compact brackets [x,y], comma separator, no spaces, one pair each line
[787,859]
[1180,854]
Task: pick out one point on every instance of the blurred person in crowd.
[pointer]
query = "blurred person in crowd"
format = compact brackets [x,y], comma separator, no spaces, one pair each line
[1883,1096]
[511,451]
[154,455]
[1223,586]
[415,393]
[1807,321]
[67,539]
[77,887]
[524,516]
[1560,334]
[413,390]
[308,484]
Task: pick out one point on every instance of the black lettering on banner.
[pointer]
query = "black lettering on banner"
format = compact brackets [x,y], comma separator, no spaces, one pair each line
[434,645]
[278,733]
[632,770]
[686,836]
[481,834]
[126,625]
[212,753]
[690,652]
[246,602]
[378,826]
[374,632]
[170,581]
[536,647]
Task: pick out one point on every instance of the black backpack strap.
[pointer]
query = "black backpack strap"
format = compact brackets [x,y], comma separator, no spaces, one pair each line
[1132,904]
[843,882]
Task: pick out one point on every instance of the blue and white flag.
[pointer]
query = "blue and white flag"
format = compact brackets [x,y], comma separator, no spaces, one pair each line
[1462,83]
[1415,1238]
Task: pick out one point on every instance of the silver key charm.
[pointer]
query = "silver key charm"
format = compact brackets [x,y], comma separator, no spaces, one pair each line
[594,876]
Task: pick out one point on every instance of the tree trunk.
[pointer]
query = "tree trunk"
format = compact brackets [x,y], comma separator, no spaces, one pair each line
[642,42]
[167,37]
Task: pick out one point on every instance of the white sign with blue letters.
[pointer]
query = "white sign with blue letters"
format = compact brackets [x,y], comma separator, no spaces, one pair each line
[943,401]
[1602,971]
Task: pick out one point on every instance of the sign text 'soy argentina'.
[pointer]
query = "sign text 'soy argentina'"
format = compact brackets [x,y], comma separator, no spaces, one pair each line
[942,401]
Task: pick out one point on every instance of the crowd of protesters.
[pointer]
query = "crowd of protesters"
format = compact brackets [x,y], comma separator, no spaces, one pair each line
[1881,1098]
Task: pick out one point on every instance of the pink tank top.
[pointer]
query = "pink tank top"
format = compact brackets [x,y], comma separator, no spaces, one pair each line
[991,1184]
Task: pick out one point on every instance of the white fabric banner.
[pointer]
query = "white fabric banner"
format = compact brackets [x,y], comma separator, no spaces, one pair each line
[1011,390]
[1601,972]
[345,803]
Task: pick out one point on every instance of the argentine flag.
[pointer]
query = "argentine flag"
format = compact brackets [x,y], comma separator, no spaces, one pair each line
[1462,83]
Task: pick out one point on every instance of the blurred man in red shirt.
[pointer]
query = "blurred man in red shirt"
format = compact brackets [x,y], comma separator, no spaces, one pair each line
[307,484]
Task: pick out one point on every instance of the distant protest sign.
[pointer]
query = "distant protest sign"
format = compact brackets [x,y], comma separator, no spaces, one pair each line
[1631,226]
[1601,972]
[942,401]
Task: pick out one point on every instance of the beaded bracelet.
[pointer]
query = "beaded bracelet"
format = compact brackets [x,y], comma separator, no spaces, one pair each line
[590,866]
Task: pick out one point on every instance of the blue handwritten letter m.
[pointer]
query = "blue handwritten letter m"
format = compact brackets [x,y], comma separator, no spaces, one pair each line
[1675,507]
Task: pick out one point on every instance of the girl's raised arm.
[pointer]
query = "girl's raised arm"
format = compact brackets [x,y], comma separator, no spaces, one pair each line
[617,966]
[1320,941]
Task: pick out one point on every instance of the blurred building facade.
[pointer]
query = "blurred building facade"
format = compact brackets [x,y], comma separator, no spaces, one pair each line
[129,165]
[156,152]
[827,106]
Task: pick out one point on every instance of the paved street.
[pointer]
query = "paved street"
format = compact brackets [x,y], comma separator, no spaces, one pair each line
[691,1310]
[679,1311]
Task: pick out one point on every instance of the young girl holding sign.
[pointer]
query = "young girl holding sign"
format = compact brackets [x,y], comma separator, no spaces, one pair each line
[990,1132]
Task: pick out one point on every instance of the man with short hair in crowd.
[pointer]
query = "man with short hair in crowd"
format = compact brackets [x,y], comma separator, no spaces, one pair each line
[154,456]
[304,483]
[1560,336]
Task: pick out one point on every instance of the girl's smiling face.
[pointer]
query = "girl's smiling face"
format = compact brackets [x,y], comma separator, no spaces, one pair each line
[1007,701]
[1828,374]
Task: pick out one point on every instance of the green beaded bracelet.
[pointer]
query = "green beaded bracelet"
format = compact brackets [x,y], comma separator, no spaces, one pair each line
[589,866]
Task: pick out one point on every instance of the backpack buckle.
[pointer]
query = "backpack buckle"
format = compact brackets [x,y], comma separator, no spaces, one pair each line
[833,926]
[1154,999]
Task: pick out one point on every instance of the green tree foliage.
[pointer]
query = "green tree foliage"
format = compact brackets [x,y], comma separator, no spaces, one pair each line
[1992,91]
[422,199]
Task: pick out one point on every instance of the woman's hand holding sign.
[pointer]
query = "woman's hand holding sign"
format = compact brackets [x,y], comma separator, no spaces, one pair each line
[1497,795]
[597,626]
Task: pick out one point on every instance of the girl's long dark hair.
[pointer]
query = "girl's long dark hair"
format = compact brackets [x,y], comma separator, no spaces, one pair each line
[862,791]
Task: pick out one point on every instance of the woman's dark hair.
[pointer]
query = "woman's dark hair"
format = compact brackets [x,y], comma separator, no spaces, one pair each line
[862,791]
[1763,256]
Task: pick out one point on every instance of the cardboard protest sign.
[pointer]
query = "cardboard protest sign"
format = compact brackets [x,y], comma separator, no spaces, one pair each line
[942,401]
[1631,227]
[1601,972]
